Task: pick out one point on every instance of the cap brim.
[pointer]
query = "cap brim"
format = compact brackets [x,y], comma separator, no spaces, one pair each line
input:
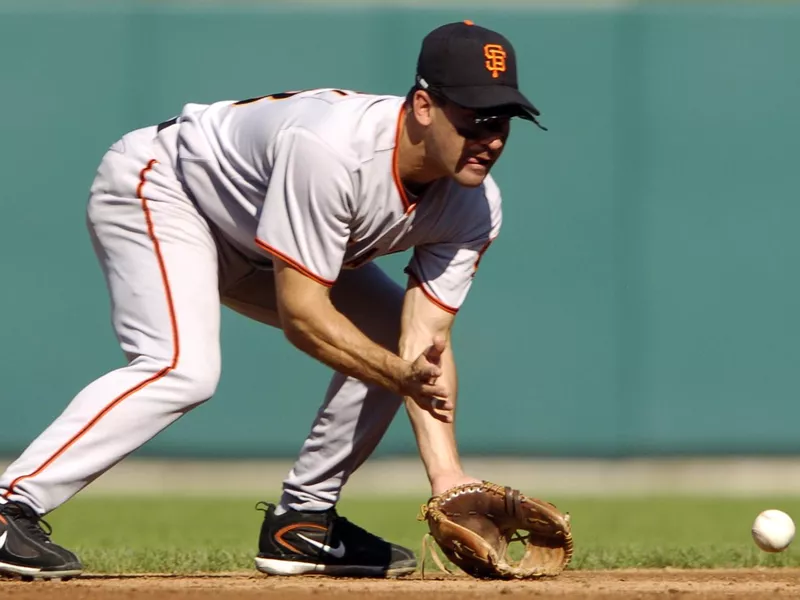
[491,99]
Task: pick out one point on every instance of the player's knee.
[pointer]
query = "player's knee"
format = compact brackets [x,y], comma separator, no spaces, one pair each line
[190,381]
[198,379]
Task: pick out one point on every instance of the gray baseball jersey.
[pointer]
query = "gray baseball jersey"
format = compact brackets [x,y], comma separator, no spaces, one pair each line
[311,177]
[308,177]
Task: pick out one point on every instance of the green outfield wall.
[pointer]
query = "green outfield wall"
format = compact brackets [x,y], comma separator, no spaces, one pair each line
[644,295]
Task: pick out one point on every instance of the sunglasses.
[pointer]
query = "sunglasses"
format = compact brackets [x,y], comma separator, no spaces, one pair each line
[477,126]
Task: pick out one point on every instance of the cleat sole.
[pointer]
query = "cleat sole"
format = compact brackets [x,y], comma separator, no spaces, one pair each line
[273,566]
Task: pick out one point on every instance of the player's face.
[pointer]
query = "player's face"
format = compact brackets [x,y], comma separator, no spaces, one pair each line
[467,146]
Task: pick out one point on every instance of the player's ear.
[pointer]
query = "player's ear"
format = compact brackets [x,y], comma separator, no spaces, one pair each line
[422,104]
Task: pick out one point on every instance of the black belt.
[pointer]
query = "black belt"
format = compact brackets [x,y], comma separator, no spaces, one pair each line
[165,124]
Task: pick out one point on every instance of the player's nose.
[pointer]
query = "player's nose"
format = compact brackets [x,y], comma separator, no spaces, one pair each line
[493,144]
[496,143]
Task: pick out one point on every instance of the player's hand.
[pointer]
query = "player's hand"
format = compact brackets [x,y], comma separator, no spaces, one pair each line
[420,382]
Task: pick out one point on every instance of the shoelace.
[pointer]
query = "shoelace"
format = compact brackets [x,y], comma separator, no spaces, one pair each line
[27,518]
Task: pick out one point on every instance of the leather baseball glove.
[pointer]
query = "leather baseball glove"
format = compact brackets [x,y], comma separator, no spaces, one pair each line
[474,525]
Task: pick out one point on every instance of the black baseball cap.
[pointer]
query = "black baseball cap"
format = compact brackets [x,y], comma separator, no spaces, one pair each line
[474,67]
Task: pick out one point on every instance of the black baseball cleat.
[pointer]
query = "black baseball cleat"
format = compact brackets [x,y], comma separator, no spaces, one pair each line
[26,550]
[298,543]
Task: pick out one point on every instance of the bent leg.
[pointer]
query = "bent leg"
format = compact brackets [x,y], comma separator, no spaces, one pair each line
[354,416]
[160,264]
[348,427]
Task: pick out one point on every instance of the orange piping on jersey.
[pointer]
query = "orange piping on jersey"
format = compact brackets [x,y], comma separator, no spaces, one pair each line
[429,296]
[396,167]
[480,255]
[146,382]
[294,263]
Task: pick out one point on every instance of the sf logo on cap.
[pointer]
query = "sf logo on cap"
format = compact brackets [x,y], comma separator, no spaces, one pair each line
[495,59]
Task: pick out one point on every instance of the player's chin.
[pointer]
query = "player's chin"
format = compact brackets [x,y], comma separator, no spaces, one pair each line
[471,175]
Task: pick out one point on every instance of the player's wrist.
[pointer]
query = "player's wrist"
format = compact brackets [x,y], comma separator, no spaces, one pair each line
[444,482]
[403,376]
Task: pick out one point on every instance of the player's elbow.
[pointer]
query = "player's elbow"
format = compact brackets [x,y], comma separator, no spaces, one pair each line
[298,330]
[303,327]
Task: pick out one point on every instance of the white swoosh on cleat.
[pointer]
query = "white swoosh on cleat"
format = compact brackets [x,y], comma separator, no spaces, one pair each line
[3,538]
[337,552]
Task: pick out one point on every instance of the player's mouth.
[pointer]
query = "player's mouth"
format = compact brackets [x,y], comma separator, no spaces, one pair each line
[479,162]
[479,165]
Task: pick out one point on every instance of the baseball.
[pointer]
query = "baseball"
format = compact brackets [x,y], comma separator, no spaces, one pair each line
[773,530]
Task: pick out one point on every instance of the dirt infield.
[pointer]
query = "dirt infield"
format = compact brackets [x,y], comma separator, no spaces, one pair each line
[643,584]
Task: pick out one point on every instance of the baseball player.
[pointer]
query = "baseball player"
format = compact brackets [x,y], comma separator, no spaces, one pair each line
[276,207]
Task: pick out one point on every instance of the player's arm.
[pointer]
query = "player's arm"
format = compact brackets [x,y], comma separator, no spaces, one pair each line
[305,226]
[312,323]
[441,275]
[423,320]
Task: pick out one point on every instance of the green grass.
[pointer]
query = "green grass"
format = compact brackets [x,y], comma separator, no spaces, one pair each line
[185,535]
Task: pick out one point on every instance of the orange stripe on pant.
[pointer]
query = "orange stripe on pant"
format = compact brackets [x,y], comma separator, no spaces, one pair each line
[175,343]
